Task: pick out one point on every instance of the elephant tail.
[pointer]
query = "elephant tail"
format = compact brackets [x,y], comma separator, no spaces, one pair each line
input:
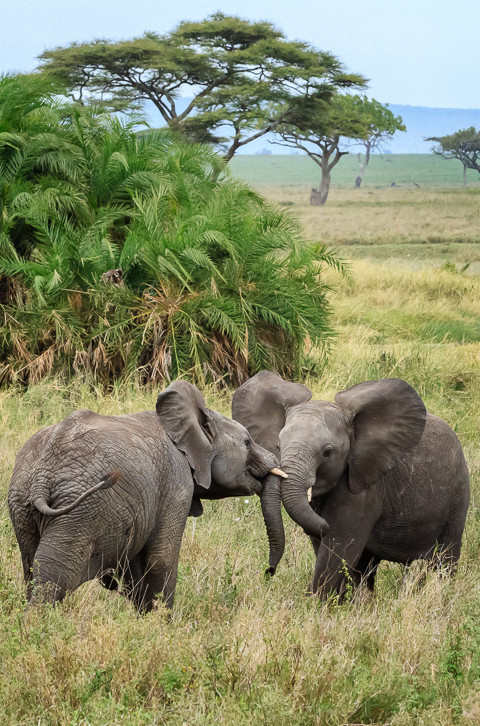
[108,481]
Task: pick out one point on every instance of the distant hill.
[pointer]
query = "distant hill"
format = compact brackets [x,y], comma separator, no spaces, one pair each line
[421,122]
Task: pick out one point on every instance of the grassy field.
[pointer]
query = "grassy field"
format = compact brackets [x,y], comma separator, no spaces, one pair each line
[239,649]
[415,226]
[405,170]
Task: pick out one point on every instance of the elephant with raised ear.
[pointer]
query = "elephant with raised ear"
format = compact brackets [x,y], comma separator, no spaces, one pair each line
[371,476]
[110,495]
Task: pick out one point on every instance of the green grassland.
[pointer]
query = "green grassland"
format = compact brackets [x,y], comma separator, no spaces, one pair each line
[405,170]
[239,649]
[437,222]
[414,226]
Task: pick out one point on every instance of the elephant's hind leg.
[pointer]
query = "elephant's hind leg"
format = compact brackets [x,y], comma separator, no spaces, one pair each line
[160,557]
[131,578]
[28,549]
[58,567]
[28,538]
[444,557]
[450,540]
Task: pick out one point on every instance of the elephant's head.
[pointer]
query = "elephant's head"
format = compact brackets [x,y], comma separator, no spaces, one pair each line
[221,452]
[358,437]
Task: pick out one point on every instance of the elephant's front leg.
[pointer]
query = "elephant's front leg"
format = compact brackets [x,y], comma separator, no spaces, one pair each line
[336,565]
[366,570]
[351,518]
[161,555]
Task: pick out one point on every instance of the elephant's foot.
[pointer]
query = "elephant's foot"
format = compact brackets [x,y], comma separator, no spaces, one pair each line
[45,593]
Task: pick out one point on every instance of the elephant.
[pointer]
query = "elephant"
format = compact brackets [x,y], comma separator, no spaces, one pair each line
[97,495]
[371,477]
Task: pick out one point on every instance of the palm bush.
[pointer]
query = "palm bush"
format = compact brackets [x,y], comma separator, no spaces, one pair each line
[216,282]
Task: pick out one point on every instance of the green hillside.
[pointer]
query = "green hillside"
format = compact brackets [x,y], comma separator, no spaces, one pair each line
[403,169]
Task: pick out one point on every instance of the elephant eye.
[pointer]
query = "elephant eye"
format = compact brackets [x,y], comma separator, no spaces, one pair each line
[247,443]
[327,452]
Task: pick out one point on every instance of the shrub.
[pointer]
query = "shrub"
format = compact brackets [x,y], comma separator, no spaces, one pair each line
[215,283]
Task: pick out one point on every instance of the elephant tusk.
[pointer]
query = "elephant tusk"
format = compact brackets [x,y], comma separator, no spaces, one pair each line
[278,472]
[309,494]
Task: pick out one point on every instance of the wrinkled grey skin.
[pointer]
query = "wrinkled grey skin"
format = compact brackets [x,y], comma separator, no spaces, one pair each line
[389,481]
[144,473]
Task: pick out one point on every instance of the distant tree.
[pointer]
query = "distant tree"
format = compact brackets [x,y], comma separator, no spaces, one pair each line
[234,71]
[463,145]
[378,125]
[321,130]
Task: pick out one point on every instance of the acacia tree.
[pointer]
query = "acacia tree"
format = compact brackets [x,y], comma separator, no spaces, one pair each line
[378,124]
[233,71]
[323,130]
[319,129]
[463,145]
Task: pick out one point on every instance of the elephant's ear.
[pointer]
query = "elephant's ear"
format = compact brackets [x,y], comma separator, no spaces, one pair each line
[261,403]
[190,426]
[387,419]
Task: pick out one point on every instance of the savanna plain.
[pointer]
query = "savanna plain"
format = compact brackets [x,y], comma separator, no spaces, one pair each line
[240,649]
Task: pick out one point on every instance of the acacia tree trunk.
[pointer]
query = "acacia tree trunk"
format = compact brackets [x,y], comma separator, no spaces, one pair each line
[324,187]
[328,157]
[363,166]
[319,196]
[464,175]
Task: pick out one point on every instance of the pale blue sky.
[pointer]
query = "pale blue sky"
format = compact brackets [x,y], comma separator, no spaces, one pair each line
[417,52]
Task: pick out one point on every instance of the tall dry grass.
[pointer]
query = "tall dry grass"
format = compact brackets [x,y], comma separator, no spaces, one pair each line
[242,650]
[386,217]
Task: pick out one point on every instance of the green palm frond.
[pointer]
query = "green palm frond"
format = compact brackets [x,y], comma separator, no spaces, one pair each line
[217,282]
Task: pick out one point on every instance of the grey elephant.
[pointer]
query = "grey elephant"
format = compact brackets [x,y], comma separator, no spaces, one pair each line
[388,481]
[96,494]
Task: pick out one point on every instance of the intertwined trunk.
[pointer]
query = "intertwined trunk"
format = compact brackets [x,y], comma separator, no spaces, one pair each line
[294,491]
[272,515]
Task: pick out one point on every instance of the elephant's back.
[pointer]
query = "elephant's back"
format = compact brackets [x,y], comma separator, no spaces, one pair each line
[432,475]
[438,460]
[62,461]
[143,425]
[437,433]
[427,490]
[85,438]
[87,446]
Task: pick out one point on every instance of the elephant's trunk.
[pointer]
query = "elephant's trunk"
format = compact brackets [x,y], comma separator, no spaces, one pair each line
[272,515]
[294,496]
